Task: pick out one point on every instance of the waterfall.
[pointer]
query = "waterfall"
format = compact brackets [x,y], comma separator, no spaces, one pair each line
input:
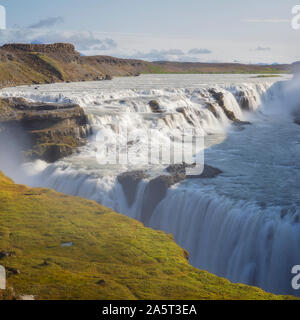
[240,238]
[236,240]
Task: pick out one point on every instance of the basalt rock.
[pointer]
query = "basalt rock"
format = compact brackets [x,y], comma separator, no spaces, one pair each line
[155,191]
[155,107]
[129,182]
[219,97]
[178,168]
[187,117]
[46,131]
[239,123]
[208,171]
[243,101]
[157,188]
[213,110]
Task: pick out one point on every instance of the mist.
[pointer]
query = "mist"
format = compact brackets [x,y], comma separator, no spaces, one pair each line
[13,143]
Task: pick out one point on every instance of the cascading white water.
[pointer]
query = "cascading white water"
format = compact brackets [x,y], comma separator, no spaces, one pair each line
[243,225]
[237,240]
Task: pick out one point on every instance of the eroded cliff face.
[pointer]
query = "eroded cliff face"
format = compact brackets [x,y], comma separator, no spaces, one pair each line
[59,62]
[44,131]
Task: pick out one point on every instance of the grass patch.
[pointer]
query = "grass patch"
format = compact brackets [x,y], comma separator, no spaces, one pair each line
[112,257]
[52,66]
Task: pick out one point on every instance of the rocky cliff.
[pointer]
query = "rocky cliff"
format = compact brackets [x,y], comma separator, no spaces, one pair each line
[34,63]
[47,63]
[42,130]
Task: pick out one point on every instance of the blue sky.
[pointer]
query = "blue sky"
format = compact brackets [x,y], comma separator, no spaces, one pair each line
[184,30]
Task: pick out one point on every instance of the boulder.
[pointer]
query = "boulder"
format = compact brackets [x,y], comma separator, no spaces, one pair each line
[155,107]
[13,270]
[108,77]
[5,254]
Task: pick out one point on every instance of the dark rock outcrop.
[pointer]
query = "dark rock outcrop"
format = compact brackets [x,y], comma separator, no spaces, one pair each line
[178,168]
[129,182]
[239,123]
[155,191]
[213,110]
[5,254]
[219,97]
[157,188]
[155,107]
[243,101]
[209,172]
[13,270]
[108,77]
[49,131]
[189,119]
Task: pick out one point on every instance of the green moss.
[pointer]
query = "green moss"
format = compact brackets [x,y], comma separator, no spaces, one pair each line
[112,257]
[52,65]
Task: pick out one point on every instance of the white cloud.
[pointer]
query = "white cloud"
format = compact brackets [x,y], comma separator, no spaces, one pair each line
[157,55]
[200,51]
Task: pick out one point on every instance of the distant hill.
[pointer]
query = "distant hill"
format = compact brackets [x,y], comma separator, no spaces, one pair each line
[198,67]
[59,62]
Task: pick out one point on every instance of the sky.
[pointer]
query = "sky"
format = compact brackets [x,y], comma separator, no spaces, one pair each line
[256,31]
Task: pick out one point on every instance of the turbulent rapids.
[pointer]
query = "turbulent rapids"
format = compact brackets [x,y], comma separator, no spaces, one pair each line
[243,224]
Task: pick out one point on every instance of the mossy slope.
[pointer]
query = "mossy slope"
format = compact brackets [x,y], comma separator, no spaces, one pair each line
[112,257]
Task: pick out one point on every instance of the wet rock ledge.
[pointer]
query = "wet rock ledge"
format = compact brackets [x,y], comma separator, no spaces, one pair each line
[46,131]
[157,188]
